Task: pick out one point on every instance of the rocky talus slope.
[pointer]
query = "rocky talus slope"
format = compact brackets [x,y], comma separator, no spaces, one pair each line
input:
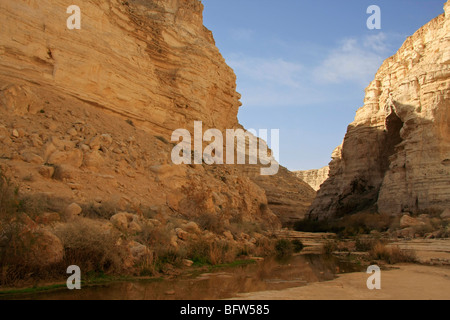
[315,178]
[396,154]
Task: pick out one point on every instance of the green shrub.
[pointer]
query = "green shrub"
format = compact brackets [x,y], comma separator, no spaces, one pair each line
[284,248]
[298,246]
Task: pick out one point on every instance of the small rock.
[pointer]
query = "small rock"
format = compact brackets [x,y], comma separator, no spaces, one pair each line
[73,210]
[126,222]
[15,133]
[407,221]
[48,218]
[93,160]
[85,148]
[72,132]
[106,140]
[406,233]
[446,214]
[64,172]
[187,263]
[32,158]
[73,158]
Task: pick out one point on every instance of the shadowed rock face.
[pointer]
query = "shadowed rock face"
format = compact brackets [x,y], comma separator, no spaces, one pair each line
[87,115]
[395,155]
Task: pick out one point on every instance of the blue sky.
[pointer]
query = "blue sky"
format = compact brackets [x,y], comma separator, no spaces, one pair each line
[302,66]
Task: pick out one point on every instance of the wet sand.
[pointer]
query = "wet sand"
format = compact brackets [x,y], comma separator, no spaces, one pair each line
[405,282]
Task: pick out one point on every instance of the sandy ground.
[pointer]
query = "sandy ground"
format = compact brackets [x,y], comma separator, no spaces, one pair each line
[406,282]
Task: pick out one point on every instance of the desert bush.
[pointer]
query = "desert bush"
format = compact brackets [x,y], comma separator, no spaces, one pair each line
[210,222]
[14,240]
[309,225]
[284,248]
[264,247]
[206,252]
[365,244]
[391,255]
[104,211]
[298,246]
[329,247]
[91,248]
[347,226]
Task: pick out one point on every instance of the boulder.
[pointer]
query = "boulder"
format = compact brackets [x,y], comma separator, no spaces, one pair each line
[127,222]
[46,248]
[407,222]
[446,214]
[72,211]
[46,171]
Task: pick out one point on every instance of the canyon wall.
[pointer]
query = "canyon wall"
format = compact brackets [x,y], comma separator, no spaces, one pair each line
[87,115]
[396,154]
[315,178]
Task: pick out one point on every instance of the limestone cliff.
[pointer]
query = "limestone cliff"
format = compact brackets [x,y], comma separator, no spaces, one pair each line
[396,154]
[314,178]
[87,115]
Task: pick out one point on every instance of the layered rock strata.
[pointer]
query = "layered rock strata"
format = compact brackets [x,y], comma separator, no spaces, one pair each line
[396,154]
[87,115]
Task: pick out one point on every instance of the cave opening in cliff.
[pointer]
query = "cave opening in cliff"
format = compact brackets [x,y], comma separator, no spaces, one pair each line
[392,139]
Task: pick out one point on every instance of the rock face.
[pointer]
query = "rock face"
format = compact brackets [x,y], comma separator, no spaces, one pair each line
[87,115]
[396,154]
[137,58]
[315,178]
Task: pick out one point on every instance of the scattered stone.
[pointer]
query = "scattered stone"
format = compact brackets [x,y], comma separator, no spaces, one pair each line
[73,158]
[407,221]
[93,159]
[72,132]
[48,218]
[446,214]
[32,158]
[127,222]
[187,263]
[64,172]
[15,133]
[407,233]
[85,148]
[73,210]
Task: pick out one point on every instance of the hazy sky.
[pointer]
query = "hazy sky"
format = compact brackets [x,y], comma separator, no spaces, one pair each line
[302,65]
